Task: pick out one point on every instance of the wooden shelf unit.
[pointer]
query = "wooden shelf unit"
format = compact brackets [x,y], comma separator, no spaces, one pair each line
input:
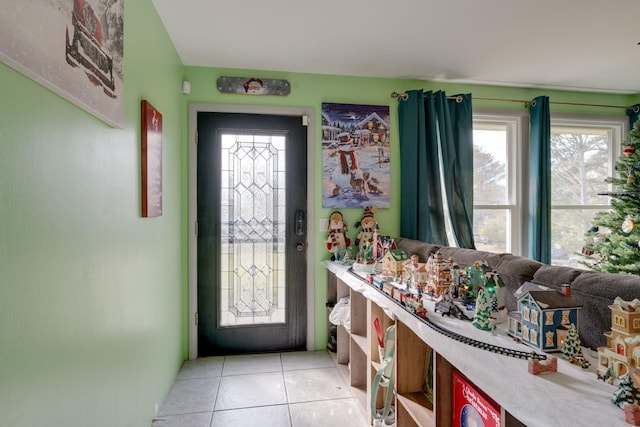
[507,382]
[358,349]
[374,311]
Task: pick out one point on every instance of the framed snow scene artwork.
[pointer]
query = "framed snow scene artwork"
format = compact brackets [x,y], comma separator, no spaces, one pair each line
[72,47]
[356,160]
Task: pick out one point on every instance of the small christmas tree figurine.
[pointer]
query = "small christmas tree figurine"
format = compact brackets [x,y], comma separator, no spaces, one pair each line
[612,245]
[571,346]
[626,392]
[571,350]
[483,311]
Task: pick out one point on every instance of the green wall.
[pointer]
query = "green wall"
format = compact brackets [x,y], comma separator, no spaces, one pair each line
[92,296]
[311,90]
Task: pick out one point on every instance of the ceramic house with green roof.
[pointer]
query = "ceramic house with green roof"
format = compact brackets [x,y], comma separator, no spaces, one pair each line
[392,262]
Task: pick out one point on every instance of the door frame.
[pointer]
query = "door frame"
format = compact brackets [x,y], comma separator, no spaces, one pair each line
[194,109]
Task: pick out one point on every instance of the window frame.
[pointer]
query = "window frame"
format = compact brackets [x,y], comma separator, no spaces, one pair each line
[517,123]
[619,127]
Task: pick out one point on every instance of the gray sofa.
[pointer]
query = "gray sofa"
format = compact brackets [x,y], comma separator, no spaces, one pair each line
[595,291]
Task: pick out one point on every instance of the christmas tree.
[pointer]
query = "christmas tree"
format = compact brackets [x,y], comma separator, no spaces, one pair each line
[571,346]
[626,392]
[613,243]
[571,349]
[483,311]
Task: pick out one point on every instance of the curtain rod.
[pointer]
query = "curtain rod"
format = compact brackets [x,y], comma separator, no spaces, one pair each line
[404,96]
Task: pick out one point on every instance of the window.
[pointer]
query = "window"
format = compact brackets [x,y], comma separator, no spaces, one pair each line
[549,318]
[550,337]
[583,151]
[497,142]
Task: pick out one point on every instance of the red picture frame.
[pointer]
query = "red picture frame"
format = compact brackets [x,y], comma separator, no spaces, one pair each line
[151,161]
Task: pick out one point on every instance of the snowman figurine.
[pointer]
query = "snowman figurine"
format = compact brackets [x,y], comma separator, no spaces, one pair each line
[337,240]
[368,227]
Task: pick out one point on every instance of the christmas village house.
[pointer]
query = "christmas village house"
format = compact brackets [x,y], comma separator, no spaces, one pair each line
[622,353]
[543,317]
[415,273]
[392,262]
[439,277]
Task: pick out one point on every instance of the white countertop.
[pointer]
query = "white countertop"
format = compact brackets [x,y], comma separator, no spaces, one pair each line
[571,397]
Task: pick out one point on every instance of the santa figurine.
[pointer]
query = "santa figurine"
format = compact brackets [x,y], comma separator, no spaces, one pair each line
[368,224]
[337,238]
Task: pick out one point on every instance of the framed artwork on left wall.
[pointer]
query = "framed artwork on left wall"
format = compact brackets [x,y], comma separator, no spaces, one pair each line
[151,161]
[75,48]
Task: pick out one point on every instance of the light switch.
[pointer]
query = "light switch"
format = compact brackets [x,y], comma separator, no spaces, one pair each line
[324,224]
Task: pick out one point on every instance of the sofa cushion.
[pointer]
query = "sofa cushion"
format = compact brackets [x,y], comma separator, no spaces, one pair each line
[467,257]
[554,276]
[596,291]
[514,271]
[416,247]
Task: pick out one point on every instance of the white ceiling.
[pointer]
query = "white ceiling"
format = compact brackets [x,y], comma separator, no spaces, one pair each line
[583,45]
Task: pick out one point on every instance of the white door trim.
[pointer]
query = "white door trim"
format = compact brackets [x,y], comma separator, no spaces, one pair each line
[194,108]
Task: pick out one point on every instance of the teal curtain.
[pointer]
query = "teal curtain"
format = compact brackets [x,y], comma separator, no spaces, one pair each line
[456,138]
[428,123]
[634,113]
[421,213]
[540,180]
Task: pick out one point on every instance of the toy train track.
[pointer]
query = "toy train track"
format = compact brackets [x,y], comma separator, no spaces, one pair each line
[518,354]
[483,345]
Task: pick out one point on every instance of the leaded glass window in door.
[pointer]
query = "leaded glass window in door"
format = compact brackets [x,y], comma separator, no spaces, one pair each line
[252,230]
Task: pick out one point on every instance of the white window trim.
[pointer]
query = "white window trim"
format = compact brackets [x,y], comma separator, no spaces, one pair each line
[518,127]
[620,129]
[619,126]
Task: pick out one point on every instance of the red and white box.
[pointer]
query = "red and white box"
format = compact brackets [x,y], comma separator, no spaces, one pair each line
[470,406]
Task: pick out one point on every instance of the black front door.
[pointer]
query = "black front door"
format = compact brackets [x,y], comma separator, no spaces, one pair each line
[252,181]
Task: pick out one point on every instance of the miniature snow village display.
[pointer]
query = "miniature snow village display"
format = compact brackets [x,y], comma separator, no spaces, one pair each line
[459,300]
[337,240]
[543,317]
[622,353]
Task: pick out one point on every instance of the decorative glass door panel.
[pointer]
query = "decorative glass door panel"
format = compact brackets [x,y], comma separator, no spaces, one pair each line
[252,178]
[252,230]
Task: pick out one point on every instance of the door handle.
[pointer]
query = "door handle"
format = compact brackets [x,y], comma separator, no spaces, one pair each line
[300,223]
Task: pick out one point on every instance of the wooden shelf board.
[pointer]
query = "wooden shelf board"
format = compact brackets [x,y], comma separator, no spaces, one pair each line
[361,342]
[417,405]
[360,393]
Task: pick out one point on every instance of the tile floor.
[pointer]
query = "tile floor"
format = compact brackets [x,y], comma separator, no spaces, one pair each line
[299,389]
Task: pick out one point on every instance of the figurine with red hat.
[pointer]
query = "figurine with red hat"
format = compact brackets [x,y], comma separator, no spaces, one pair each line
[337,238]
[368,228]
